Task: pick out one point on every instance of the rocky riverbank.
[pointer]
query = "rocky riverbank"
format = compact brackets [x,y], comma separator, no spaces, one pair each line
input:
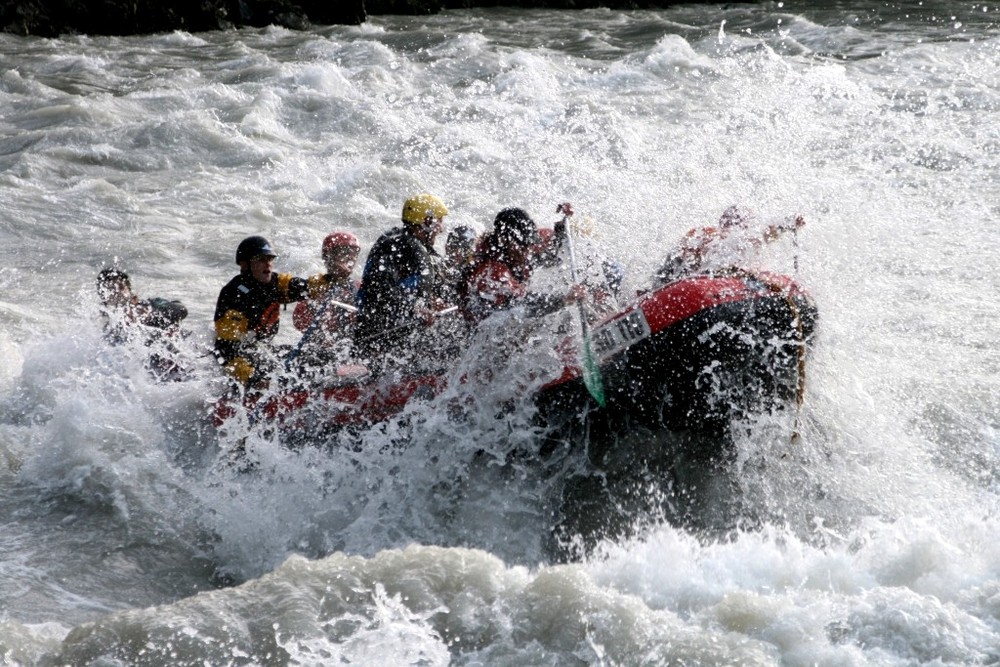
[51,18]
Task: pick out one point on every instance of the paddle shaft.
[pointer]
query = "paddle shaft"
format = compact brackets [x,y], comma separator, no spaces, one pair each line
[316,321]
[591,373]
[573,278]
[401,327]
[795,244]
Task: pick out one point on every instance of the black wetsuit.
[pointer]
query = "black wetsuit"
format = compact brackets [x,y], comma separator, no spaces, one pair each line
[400,274]
[247,306]
[158,322]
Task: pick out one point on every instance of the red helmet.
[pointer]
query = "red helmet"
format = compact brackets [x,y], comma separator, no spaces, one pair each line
[737,215]
[340,240]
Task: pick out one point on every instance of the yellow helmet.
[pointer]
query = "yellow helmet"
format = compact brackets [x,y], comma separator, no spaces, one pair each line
[420,207]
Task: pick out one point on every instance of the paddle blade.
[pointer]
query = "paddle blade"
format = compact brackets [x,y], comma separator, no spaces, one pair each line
[592,375]
[591,371]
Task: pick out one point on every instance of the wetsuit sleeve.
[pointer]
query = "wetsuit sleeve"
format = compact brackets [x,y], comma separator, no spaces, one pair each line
[291,288]
[230,329]
[163,313]
[231,326]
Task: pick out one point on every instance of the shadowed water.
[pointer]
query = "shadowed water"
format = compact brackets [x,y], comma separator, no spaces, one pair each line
[867,539]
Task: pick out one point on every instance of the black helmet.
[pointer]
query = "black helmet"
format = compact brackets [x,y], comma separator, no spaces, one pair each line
[113,286]
[516,225]
[461,237]
[112,276]
[253,246]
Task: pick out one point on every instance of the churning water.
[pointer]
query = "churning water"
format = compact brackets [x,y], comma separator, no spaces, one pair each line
[125,540]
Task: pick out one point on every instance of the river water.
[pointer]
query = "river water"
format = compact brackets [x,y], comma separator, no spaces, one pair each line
[125,541]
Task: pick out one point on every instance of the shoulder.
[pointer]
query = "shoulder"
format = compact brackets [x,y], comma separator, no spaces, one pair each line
[390,237]
[413,244]
[235,287]
[234,281]
[389,244]
[411,250]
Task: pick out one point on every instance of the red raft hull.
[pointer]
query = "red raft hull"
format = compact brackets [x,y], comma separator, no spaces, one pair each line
[704,349]
[688,355]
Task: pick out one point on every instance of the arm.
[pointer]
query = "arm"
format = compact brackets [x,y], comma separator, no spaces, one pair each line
[163,313]
[230,330]
[789,225]
[538,305]
[291,288]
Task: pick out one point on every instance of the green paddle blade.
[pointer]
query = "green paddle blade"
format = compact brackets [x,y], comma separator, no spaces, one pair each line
[591,371]
[592,374]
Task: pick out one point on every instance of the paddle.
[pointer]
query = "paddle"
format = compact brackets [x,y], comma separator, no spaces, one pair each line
[317,318]
[407,325]
[591,372]
[346,306]
[795,244]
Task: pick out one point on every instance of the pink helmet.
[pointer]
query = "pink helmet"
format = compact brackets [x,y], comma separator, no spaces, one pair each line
[340,240]
[736,215]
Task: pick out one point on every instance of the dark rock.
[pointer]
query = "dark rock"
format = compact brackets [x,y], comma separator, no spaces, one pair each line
[335,12]
[408,7]
[51,18]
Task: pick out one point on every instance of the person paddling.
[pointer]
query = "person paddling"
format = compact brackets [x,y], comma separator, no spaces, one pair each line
[326,317]
[248,310]
[155,321]
[729,245]
[500,274]
[397,299]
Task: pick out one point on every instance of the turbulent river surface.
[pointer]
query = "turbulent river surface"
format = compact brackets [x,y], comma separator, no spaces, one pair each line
[871,539]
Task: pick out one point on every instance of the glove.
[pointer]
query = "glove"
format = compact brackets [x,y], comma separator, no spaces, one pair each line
[559,229]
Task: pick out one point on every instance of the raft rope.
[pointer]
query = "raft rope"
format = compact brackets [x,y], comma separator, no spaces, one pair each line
[800,384]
